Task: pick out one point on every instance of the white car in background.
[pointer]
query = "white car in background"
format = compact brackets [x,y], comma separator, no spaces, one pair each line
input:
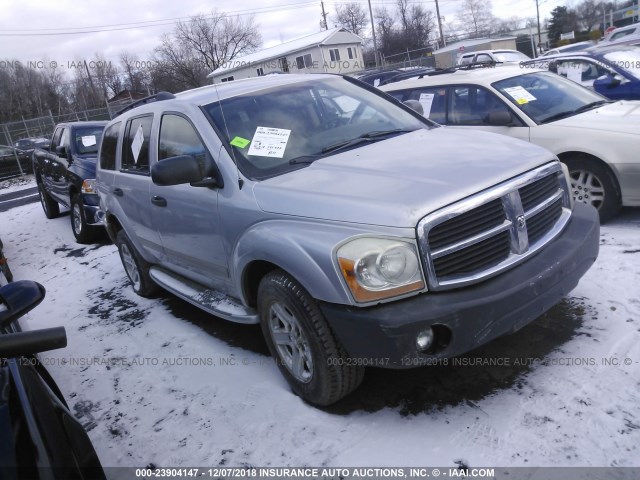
[492,56]
[598,139]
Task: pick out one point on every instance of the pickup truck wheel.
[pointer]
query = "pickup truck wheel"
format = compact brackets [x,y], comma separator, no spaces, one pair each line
[50,206]
[592,183]
[306,350]
[84,233]
[136,267]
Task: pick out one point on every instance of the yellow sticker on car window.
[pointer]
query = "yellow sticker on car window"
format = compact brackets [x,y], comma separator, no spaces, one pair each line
[522,101]
[240,142]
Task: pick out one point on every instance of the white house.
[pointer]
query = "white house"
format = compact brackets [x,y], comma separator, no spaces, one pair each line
[331,51]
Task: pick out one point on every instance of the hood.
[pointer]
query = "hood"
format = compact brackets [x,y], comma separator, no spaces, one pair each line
[618,117]
[85,165]
[398,181]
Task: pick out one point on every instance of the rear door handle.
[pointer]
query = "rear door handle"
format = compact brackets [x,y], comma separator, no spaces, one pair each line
[118,192]
[159,201]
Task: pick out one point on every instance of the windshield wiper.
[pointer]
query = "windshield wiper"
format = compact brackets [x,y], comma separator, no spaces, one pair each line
[591,106]
[364,138]
[584,108]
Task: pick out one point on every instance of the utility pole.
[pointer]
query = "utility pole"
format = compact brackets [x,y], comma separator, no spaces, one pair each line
[439,24]
[324,17]
[373,34]
[539,35]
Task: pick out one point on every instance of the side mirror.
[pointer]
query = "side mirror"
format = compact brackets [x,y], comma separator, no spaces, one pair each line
[184,169]
[18,298]
[61,151]
[501,118]
[608,81]
[414,105]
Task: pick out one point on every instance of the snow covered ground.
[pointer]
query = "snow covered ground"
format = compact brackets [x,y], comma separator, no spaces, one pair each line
[159,382]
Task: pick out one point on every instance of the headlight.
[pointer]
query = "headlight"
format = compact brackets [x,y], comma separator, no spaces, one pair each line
[88,186]
[377,268]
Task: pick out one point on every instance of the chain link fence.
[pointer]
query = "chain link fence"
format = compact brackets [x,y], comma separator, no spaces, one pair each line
[39,130]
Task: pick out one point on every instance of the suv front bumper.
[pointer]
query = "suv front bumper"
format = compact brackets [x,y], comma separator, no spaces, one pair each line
[385,335]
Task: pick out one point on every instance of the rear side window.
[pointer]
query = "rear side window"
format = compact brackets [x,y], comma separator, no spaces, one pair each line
[178,137]
[135,147]
[108,148]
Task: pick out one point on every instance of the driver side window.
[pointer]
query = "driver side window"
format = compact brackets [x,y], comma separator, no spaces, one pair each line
[178,137]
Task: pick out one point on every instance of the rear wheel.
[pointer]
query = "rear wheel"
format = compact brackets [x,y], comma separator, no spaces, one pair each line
[50,206]
[136,267]
[306,350]
[84,233]
[593,183]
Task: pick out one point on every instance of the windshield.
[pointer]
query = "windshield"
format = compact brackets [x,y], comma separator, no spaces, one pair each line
[510,56]
[87,139]
[276,130]
[628,60]
[546,97]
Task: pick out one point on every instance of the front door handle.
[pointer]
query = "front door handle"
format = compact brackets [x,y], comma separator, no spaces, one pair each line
[118,192]
[159,201]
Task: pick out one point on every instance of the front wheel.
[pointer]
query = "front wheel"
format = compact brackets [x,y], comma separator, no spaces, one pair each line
[299,338]
[50,206]
[136,267]
[84,233]
[592,183]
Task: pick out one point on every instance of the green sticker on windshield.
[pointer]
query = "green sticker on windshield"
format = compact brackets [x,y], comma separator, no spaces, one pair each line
[240,142]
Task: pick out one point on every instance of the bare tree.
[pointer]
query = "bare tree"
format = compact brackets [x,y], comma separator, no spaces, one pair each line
[476,17]
[202,44]
[353,17]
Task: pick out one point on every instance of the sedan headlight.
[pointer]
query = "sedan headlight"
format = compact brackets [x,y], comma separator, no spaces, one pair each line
[378,268]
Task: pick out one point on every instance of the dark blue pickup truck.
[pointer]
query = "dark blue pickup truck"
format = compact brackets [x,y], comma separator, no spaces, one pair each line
[66,172]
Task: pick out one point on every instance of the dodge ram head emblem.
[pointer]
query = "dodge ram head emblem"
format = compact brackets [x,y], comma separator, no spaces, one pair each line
[521,221]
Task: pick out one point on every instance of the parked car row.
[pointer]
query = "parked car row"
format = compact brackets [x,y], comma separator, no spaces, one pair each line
[352,227]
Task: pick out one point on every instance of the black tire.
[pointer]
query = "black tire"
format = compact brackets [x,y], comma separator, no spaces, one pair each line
[594,184]
[139,277]
[84,233]
[49,205]
[324,374]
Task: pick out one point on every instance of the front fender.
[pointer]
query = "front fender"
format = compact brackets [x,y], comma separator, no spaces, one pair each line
[304,249]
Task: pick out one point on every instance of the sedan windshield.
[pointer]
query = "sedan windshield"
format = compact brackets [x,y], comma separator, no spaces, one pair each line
[506,56]
[546,97]
[276,130]
[628,60]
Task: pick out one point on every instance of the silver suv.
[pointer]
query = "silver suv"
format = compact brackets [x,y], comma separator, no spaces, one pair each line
[355,231]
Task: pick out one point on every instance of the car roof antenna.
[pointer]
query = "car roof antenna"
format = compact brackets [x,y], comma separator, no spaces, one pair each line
[224,120]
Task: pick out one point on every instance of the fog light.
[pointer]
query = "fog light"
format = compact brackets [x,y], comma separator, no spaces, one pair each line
[424,340]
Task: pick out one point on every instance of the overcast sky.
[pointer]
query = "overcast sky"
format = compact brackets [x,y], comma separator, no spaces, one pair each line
[279,20]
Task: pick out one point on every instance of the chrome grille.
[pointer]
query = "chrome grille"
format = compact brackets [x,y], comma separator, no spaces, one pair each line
[487,233]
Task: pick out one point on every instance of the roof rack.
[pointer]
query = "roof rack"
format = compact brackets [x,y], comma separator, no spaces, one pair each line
[158,97]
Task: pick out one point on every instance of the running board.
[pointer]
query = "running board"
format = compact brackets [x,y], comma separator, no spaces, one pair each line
[211,301]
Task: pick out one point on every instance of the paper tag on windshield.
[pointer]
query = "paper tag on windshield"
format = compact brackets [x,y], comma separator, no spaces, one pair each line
[376,82]
[136,145]
[574,72]
[89,140]
[520,95]
[426,100]
[269,142]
